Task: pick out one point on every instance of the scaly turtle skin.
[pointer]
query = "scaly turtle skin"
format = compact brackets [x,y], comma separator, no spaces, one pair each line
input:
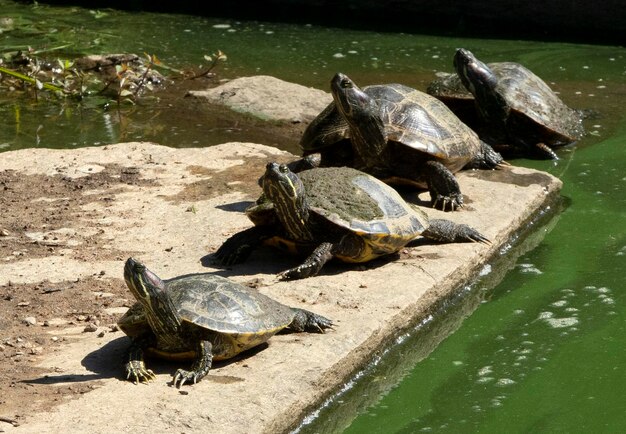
[334,213]
[399,135]
[510,107]
[203,317]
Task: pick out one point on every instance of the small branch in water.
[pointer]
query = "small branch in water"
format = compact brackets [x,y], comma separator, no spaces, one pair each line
[213,59]
[31,80]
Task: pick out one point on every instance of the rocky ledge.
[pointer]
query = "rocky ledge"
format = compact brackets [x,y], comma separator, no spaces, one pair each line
[70,219]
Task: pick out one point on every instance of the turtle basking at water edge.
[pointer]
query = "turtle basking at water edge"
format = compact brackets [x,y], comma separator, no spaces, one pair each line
[202,317]
[512,108]
[336,212]
[397,134]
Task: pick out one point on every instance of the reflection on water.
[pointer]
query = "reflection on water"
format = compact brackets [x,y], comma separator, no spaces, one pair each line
[543,350]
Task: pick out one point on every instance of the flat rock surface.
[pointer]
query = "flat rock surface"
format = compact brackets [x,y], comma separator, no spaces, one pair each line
[71,218]
[268,98]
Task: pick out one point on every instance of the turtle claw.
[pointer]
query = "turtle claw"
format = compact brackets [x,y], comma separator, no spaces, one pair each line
[300,272]
[480,238]
[181,377]
[444,202]
[137,373]
[294,273]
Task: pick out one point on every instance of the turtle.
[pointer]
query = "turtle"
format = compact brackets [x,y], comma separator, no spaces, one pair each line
[203,317]
[334,212]
[512,108]
[398,134]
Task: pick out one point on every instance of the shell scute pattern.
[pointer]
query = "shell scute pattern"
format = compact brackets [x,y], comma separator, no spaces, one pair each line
[361,204]
[225,308]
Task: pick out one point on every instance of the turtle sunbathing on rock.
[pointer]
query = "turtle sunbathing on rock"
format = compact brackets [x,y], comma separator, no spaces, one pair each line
[335,212]
[397,134]
[202,317]
[512,108]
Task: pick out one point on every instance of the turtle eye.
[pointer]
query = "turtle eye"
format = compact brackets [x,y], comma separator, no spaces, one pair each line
[346,83]
[283,168]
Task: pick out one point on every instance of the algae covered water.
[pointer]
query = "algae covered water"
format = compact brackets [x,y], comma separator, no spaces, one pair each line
[537,344]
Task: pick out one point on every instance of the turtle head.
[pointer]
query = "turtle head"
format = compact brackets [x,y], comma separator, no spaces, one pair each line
[150,291]
[286,191]
[364,117]
[350,100]
[143,283]
[481,81]
[280,183]
[473,73]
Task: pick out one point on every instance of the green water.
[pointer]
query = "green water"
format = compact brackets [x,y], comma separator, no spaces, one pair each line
[535,345]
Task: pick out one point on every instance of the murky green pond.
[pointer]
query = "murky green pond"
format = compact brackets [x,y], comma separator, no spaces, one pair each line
[544,348]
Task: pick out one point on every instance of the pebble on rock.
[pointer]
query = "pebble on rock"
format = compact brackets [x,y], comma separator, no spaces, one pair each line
[30,320]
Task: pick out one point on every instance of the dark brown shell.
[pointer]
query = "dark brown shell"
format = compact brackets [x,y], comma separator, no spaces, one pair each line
[531,101]
[411,118]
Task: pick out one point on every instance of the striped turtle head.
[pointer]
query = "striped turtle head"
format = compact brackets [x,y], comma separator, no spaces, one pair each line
[150,291]
[286,191]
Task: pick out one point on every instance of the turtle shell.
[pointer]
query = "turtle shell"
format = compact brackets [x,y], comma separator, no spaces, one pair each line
[244,317]
[346,199]
[413,119]
[535,109]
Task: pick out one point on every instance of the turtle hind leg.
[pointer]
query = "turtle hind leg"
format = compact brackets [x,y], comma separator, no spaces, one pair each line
[487,158]
[200,367]
[311,265]
[544,151]
[306,321]
[446,231]
[443,186]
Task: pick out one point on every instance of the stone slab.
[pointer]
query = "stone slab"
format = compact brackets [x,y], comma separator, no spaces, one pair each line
[268,98]
[182,205]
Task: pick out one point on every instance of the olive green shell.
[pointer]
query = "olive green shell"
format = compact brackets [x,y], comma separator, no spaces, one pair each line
[350,200]
[529,98]
[245,316]
[411,118]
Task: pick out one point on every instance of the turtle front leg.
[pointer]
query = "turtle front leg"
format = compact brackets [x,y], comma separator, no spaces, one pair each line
[312,265]
[446,231]
[443,186]
[135,367]
[200,367]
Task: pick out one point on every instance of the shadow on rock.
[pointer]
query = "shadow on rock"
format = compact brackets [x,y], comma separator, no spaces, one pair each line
[105,362]
[270,261]
[108,362]
[236,206]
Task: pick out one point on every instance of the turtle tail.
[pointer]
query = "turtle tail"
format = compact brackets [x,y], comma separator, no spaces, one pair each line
[305,321]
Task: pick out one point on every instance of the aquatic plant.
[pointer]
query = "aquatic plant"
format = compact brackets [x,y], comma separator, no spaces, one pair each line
[121,77]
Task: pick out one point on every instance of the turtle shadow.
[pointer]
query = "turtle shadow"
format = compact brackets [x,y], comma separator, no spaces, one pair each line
[240,206]
[107,362]
[103,363]
[264,260]
[269,261]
